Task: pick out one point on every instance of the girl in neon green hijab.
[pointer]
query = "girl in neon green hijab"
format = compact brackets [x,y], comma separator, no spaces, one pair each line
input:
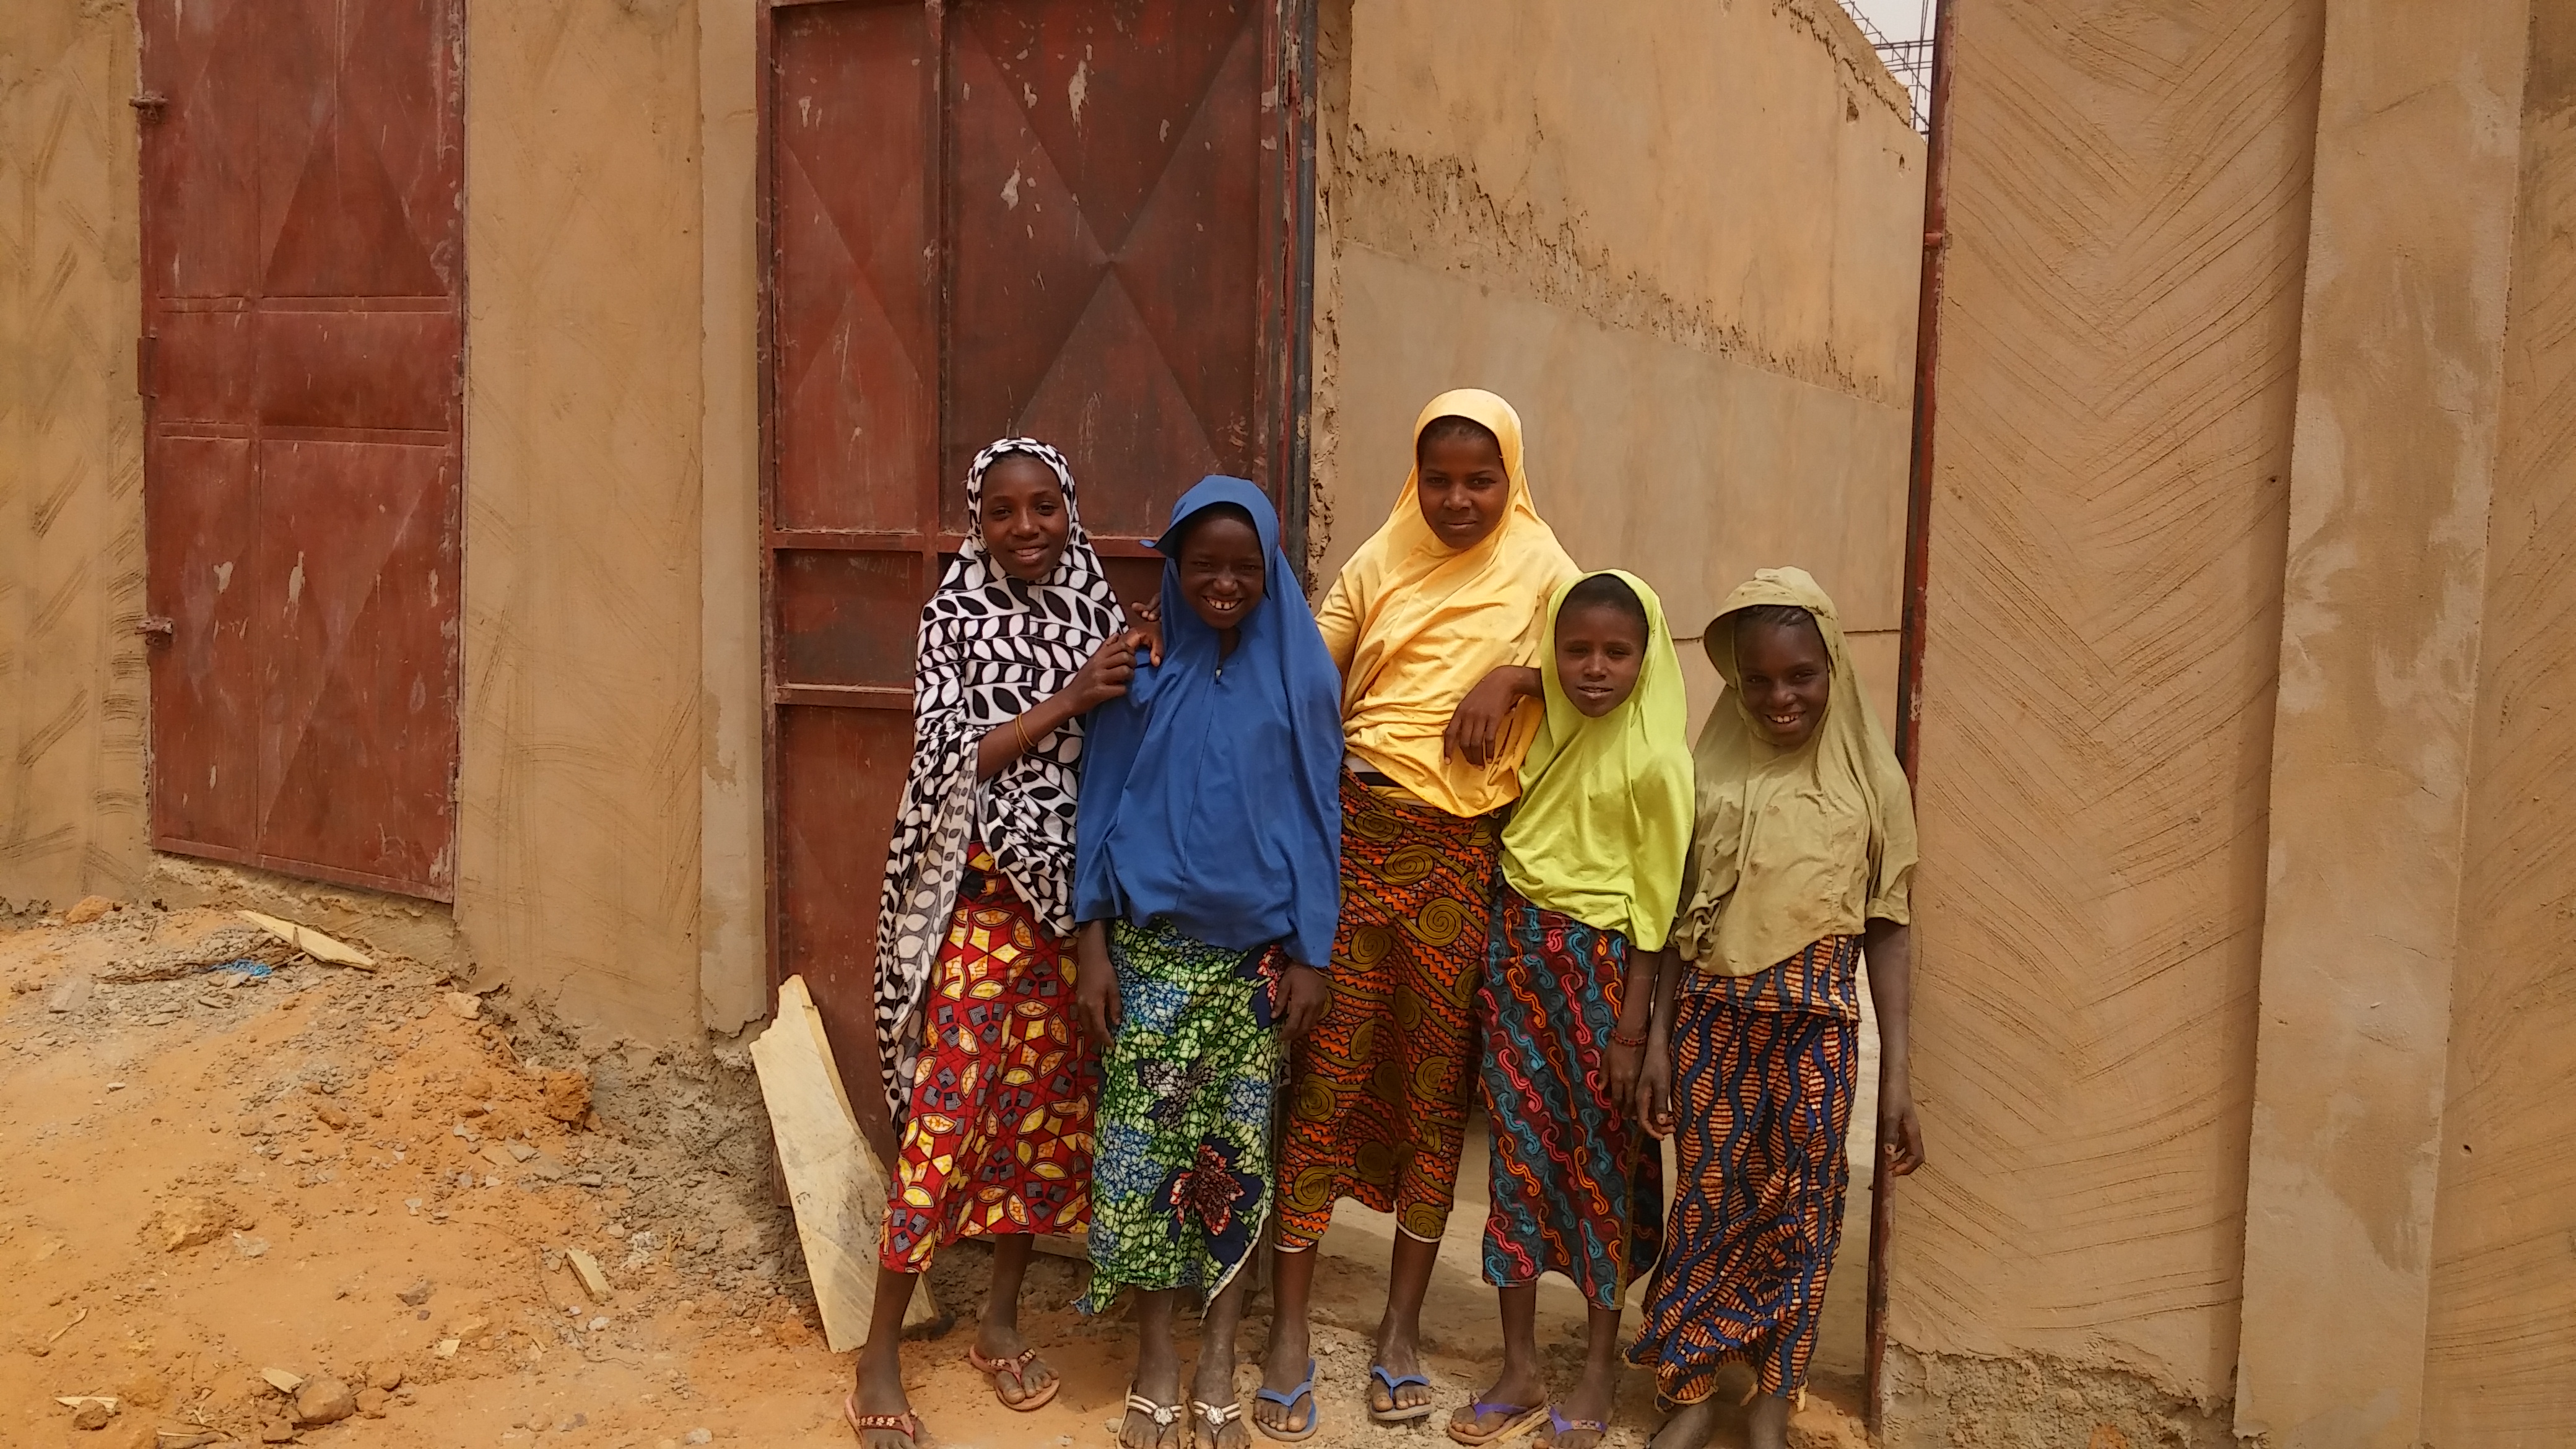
[1592,870]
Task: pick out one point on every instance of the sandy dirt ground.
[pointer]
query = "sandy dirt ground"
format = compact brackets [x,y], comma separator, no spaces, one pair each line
[373,1184]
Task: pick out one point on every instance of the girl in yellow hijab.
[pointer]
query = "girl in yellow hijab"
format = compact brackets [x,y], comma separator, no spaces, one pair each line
[1592,867]
[1436,625]
[1803,851]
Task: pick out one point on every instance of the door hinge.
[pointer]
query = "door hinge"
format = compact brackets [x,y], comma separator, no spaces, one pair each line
[149,106]
[156,629]
[147,350]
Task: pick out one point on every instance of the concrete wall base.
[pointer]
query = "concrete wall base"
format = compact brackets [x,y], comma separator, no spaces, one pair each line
[2038,1401]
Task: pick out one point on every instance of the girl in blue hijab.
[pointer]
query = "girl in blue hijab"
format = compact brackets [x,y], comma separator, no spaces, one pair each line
[1207,882]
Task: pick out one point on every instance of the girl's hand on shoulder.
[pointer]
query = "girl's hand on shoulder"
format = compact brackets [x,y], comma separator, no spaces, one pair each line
[1147,635]
[1476,730]
[1095,984]
[1655,1089]
[1302,1000]
[1900,1132]
[1104,676]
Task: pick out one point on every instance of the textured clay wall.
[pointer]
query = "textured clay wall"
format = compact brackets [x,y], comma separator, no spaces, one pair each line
[2500,1369]
[1683,238]
[71,457]
[2120,333]
[2401,363]
[579,794]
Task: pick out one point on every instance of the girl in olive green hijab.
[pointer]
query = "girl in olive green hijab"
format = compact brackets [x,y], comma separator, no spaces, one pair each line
[1802,851]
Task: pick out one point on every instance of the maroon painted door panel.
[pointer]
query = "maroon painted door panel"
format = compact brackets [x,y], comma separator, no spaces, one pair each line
[303,325]
[1065,218]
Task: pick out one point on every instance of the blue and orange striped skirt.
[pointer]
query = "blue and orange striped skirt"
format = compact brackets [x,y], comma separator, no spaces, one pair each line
[1763,1097]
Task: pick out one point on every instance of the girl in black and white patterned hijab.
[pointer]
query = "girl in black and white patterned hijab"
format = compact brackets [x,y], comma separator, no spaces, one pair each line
[989,1080]
[1021,640]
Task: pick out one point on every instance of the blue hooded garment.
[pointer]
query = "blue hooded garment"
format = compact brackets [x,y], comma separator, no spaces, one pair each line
[1211,793]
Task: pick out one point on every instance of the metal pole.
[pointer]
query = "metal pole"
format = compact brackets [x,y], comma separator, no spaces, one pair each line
[1909,671]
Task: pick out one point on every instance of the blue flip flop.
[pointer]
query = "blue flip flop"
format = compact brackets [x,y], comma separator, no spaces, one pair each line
[1288,1401]
[1517,1420]
[1558,1426]
[1403,1414]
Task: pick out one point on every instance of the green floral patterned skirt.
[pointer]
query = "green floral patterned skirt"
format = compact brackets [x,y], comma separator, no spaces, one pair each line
[1182,1177]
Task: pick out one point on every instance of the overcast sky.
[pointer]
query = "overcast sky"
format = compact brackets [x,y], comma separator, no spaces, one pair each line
[1898,19]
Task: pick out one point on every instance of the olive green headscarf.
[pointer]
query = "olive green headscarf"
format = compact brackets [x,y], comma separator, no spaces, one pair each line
[1792,846]
[1605,815]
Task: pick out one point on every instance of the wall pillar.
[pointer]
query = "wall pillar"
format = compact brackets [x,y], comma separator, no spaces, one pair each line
[2391,468]
[733,961]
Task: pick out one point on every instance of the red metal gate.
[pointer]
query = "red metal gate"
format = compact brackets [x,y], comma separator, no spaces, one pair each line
[1074,219]
[302,361]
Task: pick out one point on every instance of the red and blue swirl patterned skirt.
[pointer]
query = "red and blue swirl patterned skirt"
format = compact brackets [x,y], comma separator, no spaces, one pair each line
[1577,1188]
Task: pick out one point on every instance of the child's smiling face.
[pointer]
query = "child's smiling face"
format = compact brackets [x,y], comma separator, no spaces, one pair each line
[1599,650]
[1220,571]
[1786,678]
[1025,521]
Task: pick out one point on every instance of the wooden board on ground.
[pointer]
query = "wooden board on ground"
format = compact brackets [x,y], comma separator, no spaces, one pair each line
[311,942]
[833,1181]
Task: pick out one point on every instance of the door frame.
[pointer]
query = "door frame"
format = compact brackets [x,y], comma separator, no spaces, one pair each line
[1285,301]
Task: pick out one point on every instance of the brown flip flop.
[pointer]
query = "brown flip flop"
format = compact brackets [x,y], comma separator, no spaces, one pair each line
[907,1423]
[1017,1366]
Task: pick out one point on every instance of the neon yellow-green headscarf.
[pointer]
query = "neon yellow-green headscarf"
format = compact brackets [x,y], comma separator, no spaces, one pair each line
[1604,821]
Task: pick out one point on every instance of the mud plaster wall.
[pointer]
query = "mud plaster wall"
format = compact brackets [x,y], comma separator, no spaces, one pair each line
[2400,386]
[1683,238]
[2120,333]
[2500,1359]
[579,791]
[72,680]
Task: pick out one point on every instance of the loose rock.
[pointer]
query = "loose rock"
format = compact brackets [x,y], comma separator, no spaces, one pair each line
[277,1431]
[91,1414]
[388,1377]
[566,1095]
[699,1436]
[190,1222]
[89,909]
[372,1401]
[324,1400]
[464,1004]
[417,1294]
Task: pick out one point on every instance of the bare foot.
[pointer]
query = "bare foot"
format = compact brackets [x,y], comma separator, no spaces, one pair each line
[1690,1427]
[1158,1379]
[1399,1355]
[880,1391]
[1767,1427]
[999,1344]
[1284,1365]
[1214,1385]
[1588,1404]
[1514,1394]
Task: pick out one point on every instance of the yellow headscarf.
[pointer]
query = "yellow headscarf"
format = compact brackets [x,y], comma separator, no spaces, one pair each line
[1792,846]
[1414,624]
[1605,816]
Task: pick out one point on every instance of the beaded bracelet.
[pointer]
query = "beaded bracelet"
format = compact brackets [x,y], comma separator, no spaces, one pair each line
[1625,1041]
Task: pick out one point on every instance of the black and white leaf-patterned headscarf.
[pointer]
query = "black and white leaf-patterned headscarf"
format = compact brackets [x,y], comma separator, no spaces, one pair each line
[990,648]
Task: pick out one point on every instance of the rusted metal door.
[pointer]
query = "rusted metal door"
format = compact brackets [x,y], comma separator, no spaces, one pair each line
[302,362]
[1074,219]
